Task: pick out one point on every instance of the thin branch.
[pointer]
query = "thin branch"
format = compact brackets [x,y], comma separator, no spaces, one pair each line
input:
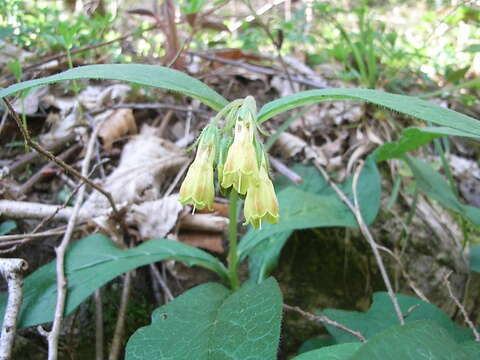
[410,282]
[54,334]
[52,232]
[365,231]
[461,307]
[30,210]
[325,320]
[166,291]
[120,325]
[57,161]
[11,270]
[285,171]
[32,156]
[368,235]
[26,186]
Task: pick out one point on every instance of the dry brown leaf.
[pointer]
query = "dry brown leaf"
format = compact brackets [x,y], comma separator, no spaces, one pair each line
[118,124]
[145,162]
[97,97]
[218,209]
[61,125]
[209,241]
[155,219]
[289,145]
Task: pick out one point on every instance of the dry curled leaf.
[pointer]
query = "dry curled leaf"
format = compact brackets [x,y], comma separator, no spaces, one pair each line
[118,124]
[97,97]
[155,219]
[145,163]
[289,145]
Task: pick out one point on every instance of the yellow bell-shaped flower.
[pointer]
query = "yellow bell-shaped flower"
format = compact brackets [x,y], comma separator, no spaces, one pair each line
[241,166]
[261,202]
[197,188]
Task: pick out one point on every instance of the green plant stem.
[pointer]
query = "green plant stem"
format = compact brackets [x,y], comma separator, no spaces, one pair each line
[76,88]
[232,236]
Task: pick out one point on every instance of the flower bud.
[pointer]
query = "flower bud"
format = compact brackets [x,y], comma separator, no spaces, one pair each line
[261,202]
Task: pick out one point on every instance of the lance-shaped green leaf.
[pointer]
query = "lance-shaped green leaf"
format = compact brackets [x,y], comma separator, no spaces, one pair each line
[92,262]
[148,75]
[212,322]
[412,138]
[407,105]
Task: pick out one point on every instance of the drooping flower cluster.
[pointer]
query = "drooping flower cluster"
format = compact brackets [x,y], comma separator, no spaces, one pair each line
[242,165]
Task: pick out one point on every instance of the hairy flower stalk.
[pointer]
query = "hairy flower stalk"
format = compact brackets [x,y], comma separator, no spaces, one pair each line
[261,203]
[197,188]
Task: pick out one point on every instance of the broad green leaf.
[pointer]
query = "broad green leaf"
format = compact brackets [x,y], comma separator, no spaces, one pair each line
[211,322]
[407,105]
[475,258]
[300,209]
[411,139]
[263,260]
[7,226]
[148,75]
[417,340]
[92,262]
[334,352]
[434,185]
[382,316]
[316,343]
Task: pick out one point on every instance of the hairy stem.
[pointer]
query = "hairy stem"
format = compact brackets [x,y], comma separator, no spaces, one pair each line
[232,236]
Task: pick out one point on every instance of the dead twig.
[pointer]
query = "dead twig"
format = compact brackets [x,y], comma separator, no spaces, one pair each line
[54,334]
[325,320]
[59,162]
[26,186]
[410,282]
[285,171]
[368,235]
[354,207]
[120,325]
[166,291]
[32,156]
[12,270]
[30,210]
[461,307]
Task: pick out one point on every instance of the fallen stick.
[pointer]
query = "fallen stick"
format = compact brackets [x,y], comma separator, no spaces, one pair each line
[11,270]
